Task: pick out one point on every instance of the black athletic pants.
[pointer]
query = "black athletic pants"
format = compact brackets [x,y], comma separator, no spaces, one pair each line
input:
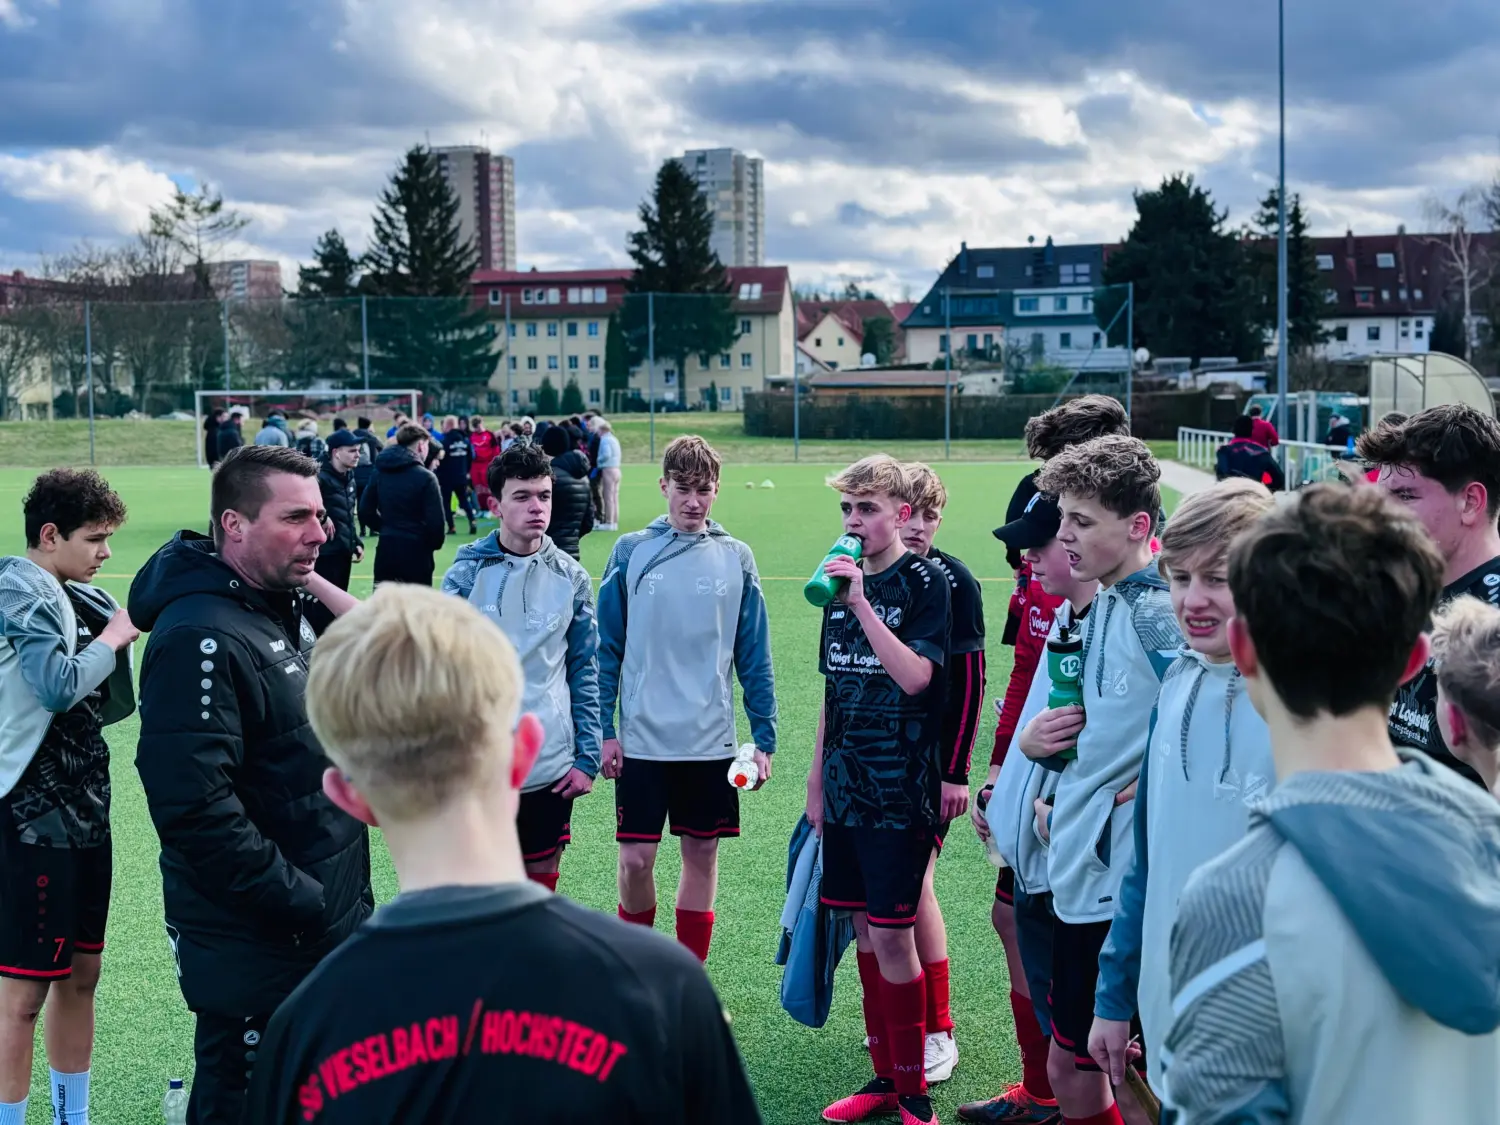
[224,1049]
[335,567]
[399,559]
[460,489]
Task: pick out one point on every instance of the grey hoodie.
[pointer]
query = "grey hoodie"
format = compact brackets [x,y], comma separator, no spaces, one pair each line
[1129,642]
[545,604]
[1341,964]
[676,613]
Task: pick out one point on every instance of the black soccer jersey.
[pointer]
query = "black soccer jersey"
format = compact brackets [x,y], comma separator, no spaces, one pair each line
[462,1004]
[881,747]
[964,670]
[1413,720]
[62,798]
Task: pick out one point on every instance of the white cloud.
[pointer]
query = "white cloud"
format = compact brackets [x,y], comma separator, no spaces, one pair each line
[97,182]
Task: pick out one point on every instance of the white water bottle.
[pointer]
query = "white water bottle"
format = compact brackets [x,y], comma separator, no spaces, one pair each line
[174,1106]
[743,772]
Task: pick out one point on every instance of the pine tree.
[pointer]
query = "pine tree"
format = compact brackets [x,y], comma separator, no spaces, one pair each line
[1193,296]
[572,398]
[879,339]
[1305,288]
[546,398]
[425,332]
[334,272]
[690,307]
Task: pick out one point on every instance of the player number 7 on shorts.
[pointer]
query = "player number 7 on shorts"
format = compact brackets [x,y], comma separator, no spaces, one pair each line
[61,941]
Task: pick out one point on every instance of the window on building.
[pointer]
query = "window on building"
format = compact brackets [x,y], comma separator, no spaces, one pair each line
[1372,333]
[551,363]
[1416,294]
[531,328]
[1038,343]
[572,328]
[726,394]
[513,330]
[494,296]
[1385,294]
[669,376]
[1098,338]
[1028,304]
[703,363]
[1385,261]
[989,340]
[1401,293]
[1059,304]
[841,341]
[531,363]
[552,328]
[1419,331]
[817,341]
[972,343]
[745,327]
[1330,296]
[943,344]
[515,397]
[1325,261]
[526,296]
[593,363]
[1341,333]
[554,296]
[724,360]
[573,295]
[593,328]
[1065,274]
[984,273]
[1364,298]
[746,359]
[1088,303]
[1065,340]
[512,363]
[572,363]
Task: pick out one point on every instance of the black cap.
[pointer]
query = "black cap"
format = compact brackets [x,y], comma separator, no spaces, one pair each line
[341,438]
[1035,527]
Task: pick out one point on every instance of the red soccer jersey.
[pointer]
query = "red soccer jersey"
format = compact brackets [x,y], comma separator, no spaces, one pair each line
[1034,609]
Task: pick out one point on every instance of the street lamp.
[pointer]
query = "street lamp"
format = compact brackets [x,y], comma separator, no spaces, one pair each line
[1281,263]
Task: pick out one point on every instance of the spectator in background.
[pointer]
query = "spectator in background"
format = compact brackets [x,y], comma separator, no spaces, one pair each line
[364,468]
[572,506]
[274,431]
[211,426]
[1244,457]
[339,424]
[345,547]
[231,435]
[609,475]
[1262,432]
[403,504]
[513,433]
[309,444]
[1340,433]
[485,447]
[453,472]
[396,423]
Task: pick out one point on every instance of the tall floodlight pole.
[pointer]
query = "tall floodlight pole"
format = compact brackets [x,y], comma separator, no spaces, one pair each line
[948,374]
[226,343]
[651,365]
[509,360]
[88,348]
[1281,263]
[364,337]
[1129,348]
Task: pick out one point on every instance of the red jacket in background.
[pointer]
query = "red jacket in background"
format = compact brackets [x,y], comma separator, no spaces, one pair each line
[1263,433]
[1034,609]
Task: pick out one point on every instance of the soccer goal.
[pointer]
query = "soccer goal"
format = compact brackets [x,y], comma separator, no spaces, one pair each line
[321,407]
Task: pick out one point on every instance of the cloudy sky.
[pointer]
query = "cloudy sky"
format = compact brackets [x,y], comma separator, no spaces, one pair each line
[891,129]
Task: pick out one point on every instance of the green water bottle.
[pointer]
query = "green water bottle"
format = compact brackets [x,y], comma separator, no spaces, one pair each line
[821,589]
[1065,670]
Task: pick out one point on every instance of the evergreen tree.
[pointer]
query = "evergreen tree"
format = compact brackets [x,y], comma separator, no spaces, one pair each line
[880,339]
[546,398]
[616,361]
[1192,292]
[1305,288]
[691,307]
[334,272]
[572,398]
[425,331]
[713,396]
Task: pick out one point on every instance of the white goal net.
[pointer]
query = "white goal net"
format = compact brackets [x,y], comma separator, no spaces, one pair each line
[297,407]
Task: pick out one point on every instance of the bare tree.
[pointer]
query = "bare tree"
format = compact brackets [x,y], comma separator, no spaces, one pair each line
[197,227]
[1466,255]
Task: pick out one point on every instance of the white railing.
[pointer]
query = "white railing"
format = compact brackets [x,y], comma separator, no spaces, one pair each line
[1305,462]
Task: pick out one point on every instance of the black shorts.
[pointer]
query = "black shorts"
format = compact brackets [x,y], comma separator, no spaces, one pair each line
[876,870]
[1005,887]
[54,902]
[544,823]
[1034,923]
[693,798]
[1075,975]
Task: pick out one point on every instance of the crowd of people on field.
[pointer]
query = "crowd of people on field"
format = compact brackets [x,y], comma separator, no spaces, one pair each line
[1242,794]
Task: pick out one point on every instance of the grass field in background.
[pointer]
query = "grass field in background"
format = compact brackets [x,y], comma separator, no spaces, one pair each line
[145,1033]
[144,443]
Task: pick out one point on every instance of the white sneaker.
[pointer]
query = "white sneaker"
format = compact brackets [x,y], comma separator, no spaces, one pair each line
[941,1056]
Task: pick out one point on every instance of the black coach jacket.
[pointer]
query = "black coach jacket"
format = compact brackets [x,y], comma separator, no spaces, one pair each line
[341,502]
[572,503]
[262,875]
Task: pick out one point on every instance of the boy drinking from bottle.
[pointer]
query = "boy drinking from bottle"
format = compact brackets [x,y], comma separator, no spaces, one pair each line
[1109,497]
[875,788]
[964,667]
[1208,759]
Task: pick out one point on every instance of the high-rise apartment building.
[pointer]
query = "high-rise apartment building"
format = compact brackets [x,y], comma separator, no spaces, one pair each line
[734,186]
[486,190]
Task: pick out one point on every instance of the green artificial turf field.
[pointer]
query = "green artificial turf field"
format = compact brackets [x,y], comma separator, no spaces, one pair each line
[145,1032]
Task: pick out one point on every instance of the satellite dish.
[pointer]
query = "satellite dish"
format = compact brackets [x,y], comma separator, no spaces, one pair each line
[867,360]
[1142,357]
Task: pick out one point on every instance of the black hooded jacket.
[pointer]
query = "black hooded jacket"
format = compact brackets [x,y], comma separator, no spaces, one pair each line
[262,875]
[572,504]
[229,436]
[341,502]
[402,500]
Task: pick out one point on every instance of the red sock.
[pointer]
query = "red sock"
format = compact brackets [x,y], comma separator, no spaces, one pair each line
[1034,1047]
[1110,1116]
[939,1018]
[870,988]
[695,929]
[547,879]
[645,918]
[905,1015]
